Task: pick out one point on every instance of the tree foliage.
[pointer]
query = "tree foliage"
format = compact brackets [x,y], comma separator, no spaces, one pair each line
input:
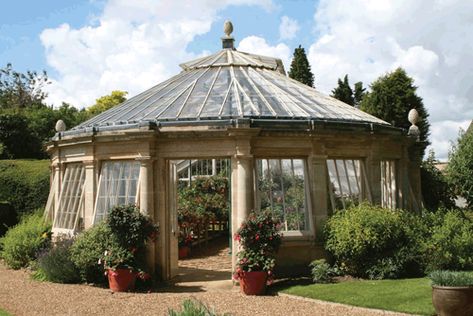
[300,68]
[106,102]
[343,91]
[391,98]
[21,90]
[436,191]
[460,166]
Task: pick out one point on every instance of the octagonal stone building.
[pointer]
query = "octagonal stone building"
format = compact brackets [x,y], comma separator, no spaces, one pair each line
[292,150]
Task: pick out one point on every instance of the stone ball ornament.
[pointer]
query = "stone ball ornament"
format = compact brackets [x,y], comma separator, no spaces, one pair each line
[413,116]
[60,126]
[228,28]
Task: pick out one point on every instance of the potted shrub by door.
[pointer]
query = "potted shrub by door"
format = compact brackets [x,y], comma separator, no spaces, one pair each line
[259,238]
[185,241]
[452,292]
[125,257]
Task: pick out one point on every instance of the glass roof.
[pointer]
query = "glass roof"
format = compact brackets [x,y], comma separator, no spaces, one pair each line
[228,85]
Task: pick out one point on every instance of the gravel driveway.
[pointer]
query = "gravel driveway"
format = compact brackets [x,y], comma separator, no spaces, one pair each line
[20,295]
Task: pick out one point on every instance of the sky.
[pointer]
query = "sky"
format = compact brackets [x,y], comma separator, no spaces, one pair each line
[90,48]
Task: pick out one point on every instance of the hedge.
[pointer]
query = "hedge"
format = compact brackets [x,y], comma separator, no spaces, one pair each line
[24,186]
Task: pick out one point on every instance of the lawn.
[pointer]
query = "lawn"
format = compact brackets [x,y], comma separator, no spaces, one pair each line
[3,313]
[408,295]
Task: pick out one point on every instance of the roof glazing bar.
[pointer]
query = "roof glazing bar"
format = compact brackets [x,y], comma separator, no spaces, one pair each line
[208,93]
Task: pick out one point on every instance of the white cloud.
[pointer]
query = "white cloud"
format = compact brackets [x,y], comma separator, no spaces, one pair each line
[131,46]
[259,46]
[432,40]
[288,28]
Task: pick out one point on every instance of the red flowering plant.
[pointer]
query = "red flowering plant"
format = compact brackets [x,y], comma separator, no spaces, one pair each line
[259,237]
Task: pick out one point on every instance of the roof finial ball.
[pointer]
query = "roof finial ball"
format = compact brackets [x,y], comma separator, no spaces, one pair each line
[228,28]
[60,126]
[228,40]
[413,118]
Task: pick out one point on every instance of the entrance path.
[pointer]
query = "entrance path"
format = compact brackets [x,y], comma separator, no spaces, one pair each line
[20,295]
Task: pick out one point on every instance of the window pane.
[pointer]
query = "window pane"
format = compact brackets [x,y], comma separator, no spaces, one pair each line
[388,184]
[118,186]
[345,182]
[281,190]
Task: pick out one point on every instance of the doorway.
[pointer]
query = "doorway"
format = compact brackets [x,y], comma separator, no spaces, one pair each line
[200,209]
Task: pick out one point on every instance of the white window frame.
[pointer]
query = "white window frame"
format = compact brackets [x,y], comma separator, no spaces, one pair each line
[66,217]
[309,229]
[116,190]
[388,183]
[362,183]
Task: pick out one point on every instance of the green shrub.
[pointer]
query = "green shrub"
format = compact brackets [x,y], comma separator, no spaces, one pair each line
[321,271]
[370,241]
[451,278]
[193,308]
[22,243]
[86,251]
[55,264]
[450,246]
[25,184]
[8,217]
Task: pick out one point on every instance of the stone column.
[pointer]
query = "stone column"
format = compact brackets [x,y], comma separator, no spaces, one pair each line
[161,215]
[242,187]
[146,202]
[89,193]
[319,193]
[56,168]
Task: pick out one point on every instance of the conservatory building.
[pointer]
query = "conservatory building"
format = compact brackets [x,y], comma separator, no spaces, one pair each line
[287,148]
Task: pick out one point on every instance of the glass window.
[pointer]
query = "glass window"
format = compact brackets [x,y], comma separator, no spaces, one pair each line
[282,190]
[118,185]
[345,182]
[388,183]
[71,197]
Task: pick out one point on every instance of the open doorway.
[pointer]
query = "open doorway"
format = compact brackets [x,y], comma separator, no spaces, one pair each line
[201,245]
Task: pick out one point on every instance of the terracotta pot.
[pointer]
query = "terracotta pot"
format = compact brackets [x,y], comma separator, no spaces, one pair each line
[184,252]
[121,280]
[453,301]
[253,283]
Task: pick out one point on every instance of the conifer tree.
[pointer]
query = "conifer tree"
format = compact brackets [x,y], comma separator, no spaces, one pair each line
[359,93]
[300,68]
[391,98]
[343,91]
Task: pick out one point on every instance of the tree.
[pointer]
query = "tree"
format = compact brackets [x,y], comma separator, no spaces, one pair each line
[359,93]
[343,91]
[300,68]
[436,190]
[16,140]
[460,166]
[106,102]
[391,98]
[21,90]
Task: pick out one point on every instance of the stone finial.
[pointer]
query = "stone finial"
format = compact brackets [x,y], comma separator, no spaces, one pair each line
[60,126]
[228,40]
[228,28]
[413,118]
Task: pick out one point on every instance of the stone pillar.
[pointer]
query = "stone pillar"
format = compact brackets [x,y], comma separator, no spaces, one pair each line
[319,193]
[161,216]
[89,193]
[146,203]
[56,168]
[415,160]
[242,187]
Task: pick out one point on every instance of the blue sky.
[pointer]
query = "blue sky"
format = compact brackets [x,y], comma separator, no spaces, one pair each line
[90,48]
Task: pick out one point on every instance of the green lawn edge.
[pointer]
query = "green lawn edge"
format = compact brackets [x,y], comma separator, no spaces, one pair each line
[4,313]
[412,296]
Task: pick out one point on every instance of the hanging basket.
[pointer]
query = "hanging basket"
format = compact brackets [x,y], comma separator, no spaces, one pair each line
[253,283]
[121,280]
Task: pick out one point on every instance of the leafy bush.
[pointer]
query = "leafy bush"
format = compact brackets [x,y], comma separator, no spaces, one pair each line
[86,251]
[55,264]
[451,278]
[321,271]
[370,241]
[25,184]
[193,308]
[22,243]
[450,245]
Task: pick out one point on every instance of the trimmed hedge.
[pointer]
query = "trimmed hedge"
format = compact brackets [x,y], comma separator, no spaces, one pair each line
[24,184]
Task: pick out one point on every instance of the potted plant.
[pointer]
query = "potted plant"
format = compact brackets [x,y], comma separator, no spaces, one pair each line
[124,258]
[259,239]
[452,292]
[185,242]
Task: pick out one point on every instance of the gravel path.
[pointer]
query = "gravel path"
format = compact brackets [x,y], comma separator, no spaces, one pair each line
[20,295]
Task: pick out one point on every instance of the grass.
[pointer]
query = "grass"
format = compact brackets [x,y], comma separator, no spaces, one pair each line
[412,296]
[3,313]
